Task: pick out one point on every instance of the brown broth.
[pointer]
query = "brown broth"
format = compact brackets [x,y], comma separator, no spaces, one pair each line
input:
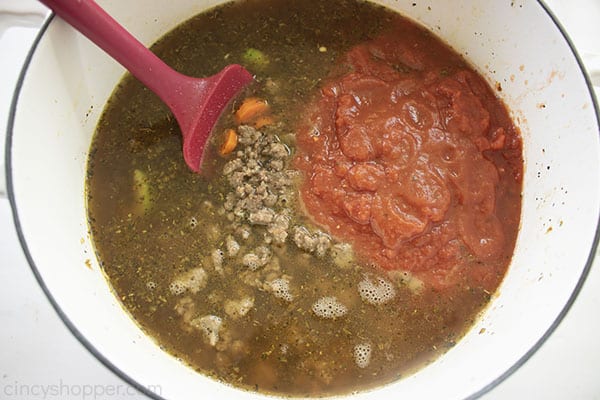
[144,245]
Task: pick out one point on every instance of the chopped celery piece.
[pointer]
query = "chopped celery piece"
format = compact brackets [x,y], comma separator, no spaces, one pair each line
[141,190]
[256,58]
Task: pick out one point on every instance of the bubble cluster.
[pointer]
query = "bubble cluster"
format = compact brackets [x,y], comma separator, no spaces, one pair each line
[377,291]
[192,280]
[257,259]
[281,289]
[177,288]
[329,307]
[250,260]
[151,285]
[362,355]
[193,222]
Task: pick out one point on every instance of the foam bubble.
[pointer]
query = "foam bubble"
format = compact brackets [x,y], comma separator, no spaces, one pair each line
[239,308]
[251,261]
[362,355]
[177,288]
[210,326]
[259,258]
[281,289]
[329,307]
[192,280]
[377,291]
[196,279]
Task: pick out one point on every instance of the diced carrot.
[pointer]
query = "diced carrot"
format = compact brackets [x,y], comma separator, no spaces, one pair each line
[263,121]
[251,109]
[229,142]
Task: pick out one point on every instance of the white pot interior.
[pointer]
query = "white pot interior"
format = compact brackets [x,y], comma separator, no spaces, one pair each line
[68,81]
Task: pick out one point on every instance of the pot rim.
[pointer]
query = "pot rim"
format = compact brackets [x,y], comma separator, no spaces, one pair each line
[129,380]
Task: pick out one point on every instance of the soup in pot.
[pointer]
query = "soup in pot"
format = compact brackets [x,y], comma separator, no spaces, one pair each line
[357,208]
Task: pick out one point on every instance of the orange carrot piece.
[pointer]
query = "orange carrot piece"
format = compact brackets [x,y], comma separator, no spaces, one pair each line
[229,142]
[263,121]
[251,109]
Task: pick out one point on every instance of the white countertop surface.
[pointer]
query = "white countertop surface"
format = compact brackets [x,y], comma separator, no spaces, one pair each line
[40,358]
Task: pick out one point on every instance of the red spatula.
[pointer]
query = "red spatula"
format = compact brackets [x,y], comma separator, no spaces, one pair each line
[196,103]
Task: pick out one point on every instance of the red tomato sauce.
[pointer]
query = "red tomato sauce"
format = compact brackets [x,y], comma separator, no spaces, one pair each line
[408,155]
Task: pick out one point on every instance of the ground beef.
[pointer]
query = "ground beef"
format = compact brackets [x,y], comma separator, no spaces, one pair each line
[317,242]
[233,247]
[259,201]
[279,228]
[258,179]
[264,216]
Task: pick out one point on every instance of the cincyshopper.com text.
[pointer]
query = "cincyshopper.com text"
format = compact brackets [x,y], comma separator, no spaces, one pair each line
[63,390]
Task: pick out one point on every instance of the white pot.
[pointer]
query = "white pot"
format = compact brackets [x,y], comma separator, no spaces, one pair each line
[67,80]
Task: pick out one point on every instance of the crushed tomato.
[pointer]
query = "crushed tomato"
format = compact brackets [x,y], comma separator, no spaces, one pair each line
[408,155]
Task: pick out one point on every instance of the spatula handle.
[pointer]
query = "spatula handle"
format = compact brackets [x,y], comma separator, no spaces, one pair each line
[93,22]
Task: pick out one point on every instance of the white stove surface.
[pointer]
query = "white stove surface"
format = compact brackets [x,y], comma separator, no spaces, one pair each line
[40,358]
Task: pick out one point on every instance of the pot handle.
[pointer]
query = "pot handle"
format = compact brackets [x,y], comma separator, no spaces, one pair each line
[13,13]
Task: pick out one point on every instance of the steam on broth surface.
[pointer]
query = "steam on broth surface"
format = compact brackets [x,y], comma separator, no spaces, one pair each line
[243,272]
